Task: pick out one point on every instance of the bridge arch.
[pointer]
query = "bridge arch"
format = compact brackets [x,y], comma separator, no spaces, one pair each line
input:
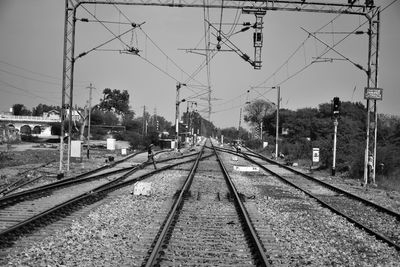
[37,129]
[26,129]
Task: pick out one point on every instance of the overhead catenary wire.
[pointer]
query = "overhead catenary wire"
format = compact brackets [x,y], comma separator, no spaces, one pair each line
[107,28]
[24,90]
[104,43]
[38,73]
[302,44]
[128,46]
[334,50]
[28,78]
[156,45]
[292,55]
[328,49]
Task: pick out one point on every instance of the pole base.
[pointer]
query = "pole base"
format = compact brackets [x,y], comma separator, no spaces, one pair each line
[333,172]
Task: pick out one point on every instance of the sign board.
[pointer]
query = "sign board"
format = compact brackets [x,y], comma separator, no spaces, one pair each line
[246,168]
[123,151]
[265,144]
[315,154]
[110,144]
[75,149]
[373,93]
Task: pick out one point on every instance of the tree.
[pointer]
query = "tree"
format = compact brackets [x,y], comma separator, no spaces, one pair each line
[41,108]
[99,117]
[21,110]
[230,133]
[256,112]
[115,101]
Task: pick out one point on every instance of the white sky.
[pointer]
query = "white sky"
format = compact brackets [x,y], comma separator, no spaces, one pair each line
[31,38]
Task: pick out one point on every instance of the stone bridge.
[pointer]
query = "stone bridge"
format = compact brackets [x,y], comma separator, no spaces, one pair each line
[30,125]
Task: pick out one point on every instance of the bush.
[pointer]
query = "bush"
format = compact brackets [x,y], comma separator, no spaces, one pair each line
[29,138]
[135,139]
[254,144]
[98,133]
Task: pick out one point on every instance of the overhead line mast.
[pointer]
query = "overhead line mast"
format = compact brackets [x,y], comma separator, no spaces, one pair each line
[368,10]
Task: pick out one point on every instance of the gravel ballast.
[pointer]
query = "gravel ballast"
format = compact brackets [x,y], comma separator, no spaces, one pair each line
[120,232]
[307,233]
[115,234]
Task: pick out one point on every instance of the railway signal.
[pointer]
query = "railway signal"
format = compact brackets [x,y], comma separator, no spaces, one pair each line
[336,107]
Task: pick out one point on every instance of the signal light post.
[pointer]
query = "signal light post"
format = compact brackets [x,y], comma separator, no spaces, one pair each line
[335,113]
[178,86]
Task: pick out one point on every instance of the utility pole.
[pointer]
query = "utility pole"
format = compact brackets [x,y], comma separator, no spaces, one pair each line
[90,112]
[372,93]
[278,88]
[178,86]
[240,122]
[144,121]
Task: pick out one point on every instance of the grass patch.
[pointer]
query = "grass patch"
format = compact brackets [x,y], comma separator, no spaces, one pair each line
[390,182]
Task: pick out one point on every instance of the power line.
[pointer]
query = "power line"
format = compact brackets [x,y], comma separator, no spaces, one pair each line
[103,24]
[160,69]
[36,73]
[24,90]
[157,46]
[28,78]
[296,50]
[329,48]
[284,64]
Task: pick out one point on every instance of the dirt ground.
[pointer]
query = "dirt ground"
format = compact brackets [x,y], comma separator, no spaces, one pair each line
[22,161]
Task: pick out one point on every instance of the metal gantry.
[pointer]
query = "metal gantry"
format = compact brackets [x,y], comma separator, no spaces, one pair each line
[257,7]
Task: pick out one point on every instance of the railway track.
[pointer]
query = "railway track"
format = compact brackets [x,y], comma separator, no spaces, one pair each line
[208,225]
[29,210]
[27,177]
[210,218]
[377,220]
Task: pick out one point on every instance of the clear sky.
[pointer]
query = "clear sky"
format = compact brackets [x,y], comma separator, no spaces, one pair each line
[31,43]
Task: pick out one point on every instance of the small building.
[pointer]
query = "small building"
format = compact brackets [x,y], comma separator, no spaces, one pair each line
[52,115]
[75,115]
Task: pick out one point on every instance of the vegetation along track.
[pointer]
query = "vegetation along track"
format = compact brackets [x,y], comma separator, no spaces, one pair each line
[41,206]
[373,218]
[26,177]
[208,224]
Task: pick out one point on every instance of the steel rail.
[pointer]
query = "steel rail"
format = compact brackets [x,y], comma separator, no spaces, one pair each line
[323,203]
[98,192]
[17,184]
[334,188]
[173,214]
[77,177]
[331,187]
[360,225]
[258,247]
[31,193]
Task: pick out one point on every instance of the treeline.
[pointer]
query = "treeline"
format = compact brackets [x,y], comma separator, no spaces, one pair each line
[308,128]
[313,127]
[113,116]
